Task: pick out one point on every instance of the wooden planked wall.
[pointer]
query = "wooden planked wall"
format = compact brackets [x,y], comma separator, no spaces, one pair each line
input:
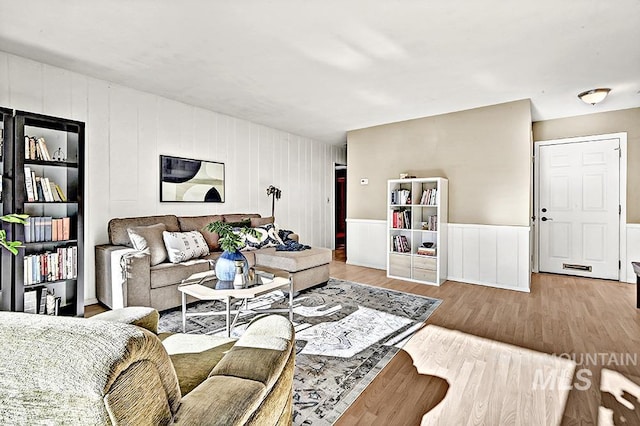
[127,130]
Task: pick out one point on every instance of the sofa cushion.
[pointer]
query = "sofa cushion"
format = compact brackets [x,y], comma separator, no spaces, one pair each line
[194,356]
[141,316]
[183,246]
[166,274]
[119,236]
[239,217]
[197,223]
[221,401]
[261,221]
[149,238]
[261,352]
[293,261]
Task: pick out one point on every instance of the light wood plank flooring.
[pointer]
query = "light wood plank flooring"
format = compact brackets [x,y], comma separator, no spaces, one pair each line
[561,315]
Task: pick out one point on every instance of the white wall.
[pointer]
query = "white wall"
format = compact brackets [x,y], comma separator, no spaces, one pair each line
[491,255]
[127,130]
[367,243]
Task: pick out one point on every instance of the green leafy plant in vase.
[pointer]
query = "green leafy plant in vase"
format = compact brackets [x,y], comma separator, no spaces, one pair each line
[230,239]
[12,246]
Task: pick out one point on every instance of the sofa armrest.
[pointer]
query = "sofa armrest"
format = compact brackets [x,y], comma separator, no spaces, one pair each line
[137,283]
[252,383]
[123,276]
[141,316]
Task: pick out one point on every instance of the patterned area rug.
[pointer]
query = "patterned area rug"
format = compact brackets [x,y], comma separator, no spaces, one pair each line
[345,334]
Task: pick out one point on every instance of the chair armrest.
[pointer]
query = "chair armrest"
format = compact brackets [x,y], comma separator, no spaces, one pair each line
[141,316]
[294,237]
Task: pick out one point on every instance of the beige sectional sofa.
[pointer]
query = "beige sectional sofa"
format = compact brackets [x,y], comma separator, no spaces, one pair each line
[126,277]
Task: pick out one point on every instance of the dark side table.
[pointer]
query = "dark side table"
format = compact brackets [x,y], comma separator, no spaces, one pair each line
[636,269]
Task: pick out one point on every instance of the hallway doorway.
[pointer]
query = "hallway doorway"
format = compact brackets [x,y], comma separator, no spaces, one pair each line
[340,207]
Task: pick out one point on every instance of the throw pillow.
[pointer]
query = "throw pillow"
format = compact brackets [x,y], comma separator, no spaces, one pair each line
[182,246]
[267,237]
[149,238]
[261,221]
[197,223]
[246,223]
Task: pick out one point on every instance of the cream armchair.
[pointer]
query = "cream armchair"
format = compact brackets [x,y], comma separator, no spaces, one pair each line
[105,370]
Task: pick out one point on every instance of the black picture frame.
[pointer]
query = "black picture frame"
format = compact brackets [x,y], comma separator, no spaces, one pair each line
[191,181]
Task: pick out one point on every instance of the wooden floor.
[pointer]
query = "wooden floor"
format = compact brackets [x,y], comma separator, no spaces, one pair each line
[584,318]
[562,315]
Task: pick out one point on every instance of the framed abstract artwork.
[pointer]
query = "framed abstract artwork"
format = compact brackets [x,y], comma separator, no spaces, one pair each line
[187,180]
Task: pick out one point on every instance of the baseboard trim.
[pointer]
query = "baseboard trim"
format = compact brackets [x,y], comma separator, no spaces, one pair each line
[488,284]
[92,301]
[366,265]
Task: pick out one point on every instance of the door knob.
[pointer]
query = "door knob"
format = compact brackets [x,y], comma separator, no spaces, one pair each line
[544,219]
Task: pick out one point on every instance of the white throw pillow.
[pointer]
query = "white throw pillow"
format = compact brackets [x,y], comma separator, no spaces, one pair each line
[182,246]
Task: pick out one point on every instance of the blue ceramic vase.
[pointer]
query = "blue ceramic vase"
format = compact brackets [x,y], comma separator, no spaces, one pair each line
[226,265]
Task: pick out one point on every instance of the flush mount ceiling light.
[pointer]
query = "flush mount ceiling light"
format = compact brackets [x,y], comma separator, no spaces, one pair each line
[594,96]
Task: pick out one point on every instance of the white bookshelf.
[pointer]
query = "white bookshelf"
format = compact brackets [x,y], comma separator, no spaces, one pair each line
[417,214]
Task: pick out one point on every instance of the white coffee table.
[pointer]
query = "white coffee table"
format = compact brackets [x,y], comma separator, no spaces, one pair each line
[262,284]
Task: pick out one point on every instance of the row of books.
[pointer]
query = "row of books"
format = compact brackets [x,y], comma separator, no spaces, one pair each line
[36,149]
[41,188]
[400,244]
[429,197]
[401,219]
[400,196]
[47,228]
[431,224]
[61,264]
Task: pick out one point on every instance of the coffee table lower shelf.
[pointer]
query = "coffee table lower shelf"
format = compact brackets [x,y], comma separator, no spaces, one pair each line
[231,297]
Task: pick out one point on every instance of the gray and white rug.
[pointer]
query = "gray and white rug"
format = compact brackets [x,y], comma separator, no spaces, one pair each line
[345,334]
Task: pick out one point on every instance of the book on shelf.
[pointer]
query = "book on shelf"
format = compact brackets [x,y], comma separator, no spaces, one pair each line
[431,224]
[400,244]
[400,197]
[29,184]
[36,149]
[401,219]
[42,309]
[429,196]
[423,251]
[30,302]
[41,188]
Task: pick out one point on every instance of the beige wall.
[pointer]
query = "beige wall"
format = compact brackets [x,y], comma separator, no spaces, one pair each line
[626,120]
[484,152]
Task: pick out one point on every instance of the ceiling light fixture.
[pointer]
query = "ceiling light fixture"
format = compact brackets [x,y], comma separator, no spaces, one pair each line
[594,96]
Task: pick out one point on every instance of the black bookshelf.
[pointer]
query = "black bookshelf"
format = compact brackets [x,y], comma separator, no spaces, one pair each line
[65,138]
[6,262]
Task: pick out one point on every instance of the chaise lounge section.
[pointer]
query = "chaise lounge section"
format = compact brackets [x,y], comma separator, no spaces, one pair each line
[128,277]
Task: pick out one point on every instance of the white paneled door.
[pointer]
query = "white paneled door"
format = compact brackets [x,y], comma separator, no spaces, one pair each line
[578,208]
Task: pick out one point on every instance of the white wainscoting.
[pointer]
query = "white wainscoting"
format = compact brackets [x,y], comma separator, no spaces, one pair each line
[495,256]
[126,131]
[367,242]
[633,251]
